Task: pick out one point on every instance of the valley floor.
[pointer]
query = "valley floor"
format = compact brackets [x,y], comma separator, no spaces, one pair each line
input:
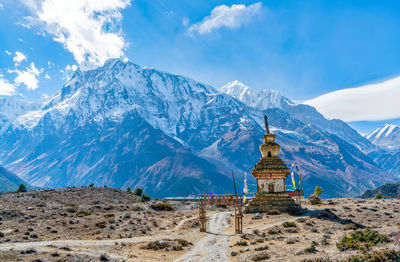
[105,224]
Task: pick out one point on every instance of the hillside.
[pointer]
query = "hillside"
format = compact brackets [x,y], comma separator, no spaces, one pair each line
[9,181]
[389,190]
[107,224]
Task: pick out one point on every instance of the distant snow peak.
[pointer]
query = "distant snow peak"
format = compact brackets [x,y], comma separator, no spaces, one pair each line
[386,136]
[263,99]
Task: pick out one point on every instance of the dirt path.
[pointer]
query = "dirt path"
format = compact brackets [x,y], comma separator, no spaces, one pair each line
[76,243]
[214,246]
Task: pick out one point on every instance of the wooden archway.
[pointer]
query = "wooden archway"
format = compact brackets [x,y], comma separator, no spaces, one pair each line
[226,200]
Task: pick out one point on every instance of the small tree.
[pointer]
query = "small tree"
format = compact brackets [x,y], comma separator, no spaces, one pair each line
[378,196]
[128,190]
[91,185]
[318,191]
[145,198]
[138,192]
[21,188]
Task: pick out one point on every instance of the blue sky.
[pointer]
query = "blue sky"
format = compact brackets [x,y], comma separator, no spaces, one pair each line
[303,49]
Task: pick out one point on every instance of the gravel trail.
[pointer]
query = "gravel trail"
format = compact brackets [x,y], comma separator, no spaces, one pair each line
[214,246]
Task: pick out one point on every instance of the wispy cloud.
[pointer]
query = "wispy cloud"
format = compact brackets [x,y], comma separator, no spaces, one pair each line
[19,57]
[226,16]
[366,103]
[86,28]
[6,88]
[28,77]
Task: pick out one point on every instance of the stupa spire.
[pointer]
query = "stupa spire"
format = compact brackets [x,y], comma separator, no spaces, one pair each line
[266,124]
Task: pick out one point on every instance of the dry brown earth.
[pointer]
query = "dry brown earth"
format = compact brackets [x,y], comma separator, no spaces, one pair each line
[106,224]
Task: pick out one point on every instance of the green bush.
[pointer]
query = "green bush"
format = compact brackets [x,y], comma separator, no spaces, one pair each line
[128,190]
[91,185]
[138,192]
[145,198]
[381,255]
[377,256]
[378,196]
[311,249]
[361,240]
[21,188]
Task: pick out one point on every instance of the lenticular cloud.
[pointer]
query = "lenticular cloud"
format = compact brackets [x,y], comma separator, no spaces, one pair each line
[366,103]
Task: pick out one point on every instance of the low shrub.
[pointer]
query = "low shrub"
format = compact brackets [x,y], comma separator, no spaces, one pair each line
[311,249]
[167,244]
[145,198]
[361,240]
[83,213]
[138,192]
[261,248]
[314,200]
[21,188]
[260,256]
[320,259]
[242,243]
[101,224]
[378,196]
[381,255]
[162,206]
[274,230]
[289,224]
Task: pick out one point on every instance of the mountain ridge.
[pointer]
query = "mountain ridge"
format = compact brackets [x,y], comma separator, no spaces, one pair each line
[123,125]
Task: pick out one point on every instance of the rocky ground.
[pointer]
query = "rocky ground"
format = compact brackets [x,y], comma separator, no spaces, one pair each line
[106,224]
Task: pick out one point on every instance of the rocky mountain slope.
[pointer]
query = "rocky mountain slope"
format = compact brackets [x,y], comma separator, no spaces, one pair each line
[122,125]
[265,99]
[389,190]
[387,139]
[9,181]
[11,108]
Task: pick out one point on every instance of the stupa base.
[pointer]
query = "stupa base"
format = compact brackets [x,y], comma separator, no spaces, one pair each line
[271,202]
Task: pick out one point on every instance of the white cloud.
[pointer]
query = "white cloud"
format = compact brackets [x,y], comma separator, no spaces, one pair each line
[366,103]
[19,57]
[8,52]
[27,77]
[225,16]
[86,28]
[6,88]
[47,76]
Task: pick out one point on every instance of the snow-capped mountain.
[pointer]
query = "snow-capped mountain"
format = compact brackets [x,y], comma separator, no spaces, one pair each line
[387,136]
[263,99]
[11,108]
[123,125]
[266,99]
